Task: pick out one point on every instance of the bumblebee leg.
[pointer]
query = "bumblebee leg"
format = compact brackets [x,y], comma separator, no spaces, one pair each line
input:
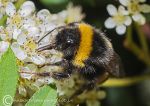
[60,75]
[67,70]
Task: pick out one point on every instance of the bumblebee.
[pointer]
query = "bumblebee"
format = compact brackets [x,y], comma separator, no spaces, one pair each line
[86,51]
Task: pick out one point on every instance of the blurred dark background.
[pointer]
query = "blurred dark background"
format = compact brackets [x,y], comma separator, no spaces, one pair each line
[96,14]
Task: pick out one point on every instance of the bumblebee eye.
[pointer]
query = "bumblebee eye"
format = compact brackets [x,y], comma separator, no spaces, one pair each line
[70,41]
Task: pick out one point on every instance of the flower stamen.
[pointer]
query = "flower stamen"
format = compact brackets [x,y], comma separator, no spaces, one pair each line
[16,20]
[134,7]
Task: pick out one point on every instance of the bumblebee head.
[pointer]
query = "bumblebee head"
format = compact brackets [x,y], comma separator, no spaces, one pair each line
[66,40]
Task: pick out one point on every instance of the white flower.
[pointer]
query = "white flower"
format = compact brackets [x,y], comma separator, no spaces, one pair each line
[74,13]
[3,47]
[16,18]
[4,5]
[45,22]
[25,49]
[16,25]
[136,8]
[119,19]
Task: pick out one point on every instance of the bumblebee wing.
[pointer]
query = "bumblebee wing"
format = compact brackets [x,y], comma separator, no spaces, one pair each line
[115,66]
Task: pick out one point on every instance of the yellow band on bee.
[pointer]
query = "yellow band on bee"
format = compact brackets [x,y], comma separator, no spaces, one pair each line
[85,46]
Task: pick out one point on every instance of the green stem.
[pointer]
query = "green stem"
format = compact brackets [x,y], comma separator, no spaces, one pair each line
[143,42]
[142,38]
[116,82]
[135,49]
[129,33]
[129,43]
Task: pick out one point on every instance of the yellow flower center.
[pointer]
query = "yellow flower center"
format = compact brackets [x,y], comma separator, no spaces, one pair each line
[134,7]
[30,46]
[20,63]
[38,21]
[119,19]
[16,20]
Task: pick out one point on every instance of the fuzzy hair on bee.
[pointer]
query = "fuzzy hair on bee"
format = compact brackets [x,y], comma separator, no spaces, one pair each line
[86,51]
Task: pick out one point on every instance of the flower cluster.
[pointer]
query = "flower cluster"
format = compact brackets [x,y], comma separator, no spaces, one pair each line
[128,11]
[4,5]
[23,29]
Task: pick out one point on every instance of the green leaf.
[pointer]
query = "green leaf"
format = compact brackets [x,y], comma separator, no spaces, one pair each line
[46,96]
[3,20]
[53,2]
[8,78]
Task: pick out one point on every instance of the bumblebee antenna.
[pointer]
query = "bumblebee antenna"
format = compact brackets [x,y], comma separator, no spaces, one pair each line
[49,46]
[49,33]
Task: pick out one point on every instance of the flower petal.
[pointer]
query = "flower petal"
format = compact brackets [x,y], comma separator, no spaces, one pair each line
[122,10]
[121,29]
[38,83]
[128,21]
[139,18]
[27,9]
[43,14]
[28,22]
[20,54]
[50,26]
[124,2]
[32,67]
[10,9]
[33,31]
[145,8]
[3,46]
[16,32]
[21,39]
[110,23]
[112,10]
[38,59]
